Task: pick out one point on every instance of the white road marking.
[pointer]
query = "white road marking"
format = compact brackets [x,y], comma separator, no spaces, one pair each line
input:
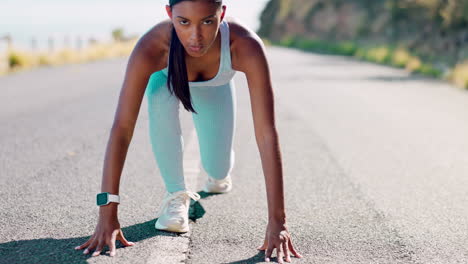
[173,249]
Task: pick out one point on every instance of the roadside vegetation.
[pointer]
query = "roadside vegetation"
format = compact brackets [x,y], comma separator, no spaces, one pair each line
[428,37]
[18,60]
[383,54]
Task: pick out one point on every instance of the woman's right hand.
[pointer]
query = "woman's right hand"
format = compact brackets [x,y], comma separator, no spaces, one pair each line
[106,233]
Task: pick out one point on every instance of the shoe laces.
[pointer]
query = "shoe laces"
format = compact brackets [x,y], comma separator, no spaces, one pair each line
[175,202]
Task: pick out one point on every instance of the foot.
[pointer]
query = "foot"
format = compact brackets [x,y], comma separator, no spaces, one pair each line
[218,186]
[173,212]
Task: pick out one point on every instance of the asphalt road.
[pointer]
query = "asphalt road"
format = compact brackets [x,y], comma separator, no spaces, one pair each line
[374,163]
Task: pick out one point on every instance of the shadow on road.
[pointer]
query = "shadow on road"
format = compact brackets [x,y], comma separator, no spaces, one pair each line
[259,258]
[50,250]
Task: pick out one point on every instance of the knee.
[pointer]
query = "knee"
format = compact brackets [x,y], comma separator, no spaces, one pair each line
[219,166]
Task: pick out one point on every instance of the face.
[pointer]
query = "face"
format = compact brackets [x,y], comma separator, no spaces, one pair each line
[196,24]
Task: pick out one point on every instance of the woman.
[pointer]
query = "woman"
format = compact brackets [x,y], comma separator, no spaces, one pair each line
[191,59]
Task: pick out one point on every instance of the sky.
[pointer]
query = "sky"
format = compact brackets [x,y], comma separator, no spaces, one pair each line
[24,19]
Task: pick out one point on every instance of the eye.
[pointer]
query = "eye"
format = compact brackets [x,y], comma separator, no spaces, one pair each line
[182,22]
[209,22]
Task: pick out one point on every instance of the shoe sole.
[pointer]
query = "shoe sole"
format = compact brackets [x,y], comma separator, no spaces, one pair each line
[171,228]
[210,191]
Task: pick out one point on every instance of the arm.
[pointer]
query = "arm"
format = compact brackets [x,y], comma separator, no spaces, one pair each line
[145,59]
[251,59]
[266,135]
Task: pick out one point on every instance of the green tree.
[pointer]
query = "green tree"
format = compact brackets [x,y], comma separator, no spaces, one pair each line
[118,34]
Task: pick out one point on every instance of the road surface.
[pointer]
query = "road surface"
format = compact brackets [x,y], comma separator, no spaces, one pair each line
[375,167]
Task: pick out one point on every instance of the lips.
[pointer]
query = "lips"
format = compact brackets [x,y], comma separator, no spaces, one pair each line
[195,48]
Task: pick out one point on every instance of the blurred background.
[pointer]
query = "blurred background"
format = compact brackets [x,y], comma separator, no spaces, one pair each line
[429,37]
[51,32]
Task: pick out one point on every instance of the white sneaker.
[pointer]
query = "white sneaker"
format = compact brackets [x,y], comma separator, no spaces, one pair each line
[173,212]
[218,186]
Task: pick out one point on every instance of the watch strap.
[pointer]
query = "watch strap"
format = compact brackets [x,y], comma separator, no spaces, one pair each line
[105,198]
[114,198]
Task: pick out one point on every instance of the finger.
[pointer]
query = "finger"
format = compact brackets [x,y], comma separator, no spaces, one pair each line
[90,247]
[286,252]
[98,250]
[268,253]
[293,250]
[121,238]
[112,244]
[280,247]
[264,246]
[279,253]
[85,244]
[265,243]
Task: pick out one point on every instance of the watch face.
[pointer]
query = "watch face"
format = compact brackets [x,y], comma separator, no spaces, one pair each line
[101,199]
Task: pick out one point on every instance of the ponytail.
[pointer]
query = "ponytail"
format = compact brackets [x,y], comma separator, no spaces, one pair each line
[177,77]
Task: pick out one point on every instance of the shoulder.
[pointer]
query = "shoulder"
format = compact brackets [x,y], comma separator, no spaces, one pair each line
[246,45]
[153,46]
[157,38]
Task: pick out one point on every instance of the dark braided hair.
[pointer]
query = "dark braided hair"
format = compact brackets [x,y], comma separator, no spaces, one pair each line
[177,78]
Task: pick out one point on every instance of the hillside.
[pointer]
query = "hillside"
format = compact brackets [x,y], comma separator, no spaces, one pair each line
[434,30]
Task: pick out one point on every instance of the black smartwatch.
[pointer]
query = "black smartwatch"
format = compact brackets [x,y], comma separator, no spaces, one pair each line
[105,198]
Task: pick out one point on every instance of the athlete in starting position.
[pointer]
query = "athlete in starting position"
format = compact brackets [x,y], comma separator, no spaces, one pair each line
[191,59]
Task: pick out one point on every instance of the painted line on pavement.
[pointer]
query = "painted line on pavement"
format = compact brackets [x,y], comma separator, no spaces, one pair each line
[173,249]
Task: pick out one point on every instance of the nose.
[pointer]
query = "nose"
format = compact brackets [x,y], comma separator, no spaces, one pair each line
[196,34]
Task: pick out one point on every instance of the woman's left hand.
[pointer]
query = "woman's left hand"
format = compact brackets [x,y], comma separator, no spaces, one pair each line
[277,236]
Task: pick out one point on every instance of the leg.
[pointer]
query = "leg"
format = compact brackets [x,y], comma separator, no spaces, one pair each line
[165,132]
[215,125]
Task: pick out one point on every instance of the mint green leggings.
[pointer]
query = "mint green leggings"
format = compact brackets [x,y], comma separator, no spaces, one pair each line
[214,124]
